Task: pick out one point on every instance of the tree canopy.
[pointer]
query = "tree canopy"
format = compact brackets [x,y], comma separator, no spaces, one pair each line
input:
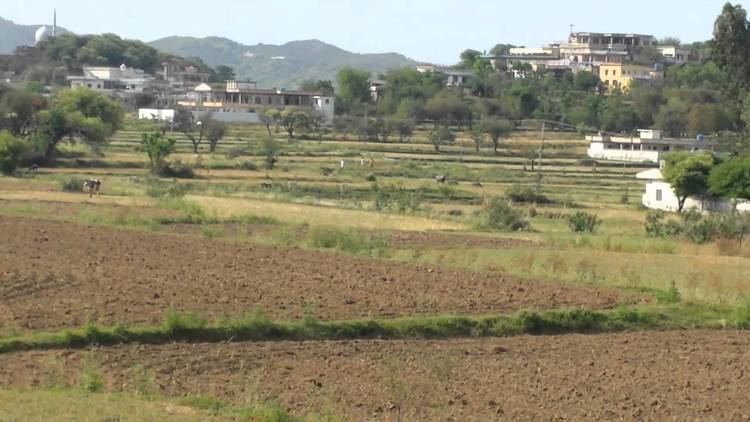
[688,174]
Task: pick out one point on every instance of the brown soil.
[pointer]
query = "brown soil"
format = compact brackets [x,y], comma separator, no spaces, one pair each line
[691,375]
[55,274]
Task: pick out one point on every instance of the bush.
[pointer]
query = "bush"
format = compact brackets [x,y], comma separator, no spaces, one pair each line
[157,189]
[526,195]
[349,241]
[12,153]
[499,215]
[582,222]
[178,171]
[247,165]
[371,177]
[72,184]
[657,227]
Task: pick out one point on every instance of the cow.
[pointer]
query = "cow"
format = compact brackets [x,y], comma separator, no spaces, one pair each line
[92,186]
[33,168]
[441,179]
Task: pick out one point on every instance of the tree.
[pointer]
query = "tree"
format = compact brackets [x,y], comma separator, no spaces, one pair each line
[12,152]
[586,81]
[269,149]
[322,86]
[403,127]
[290,119]
[496,128]
[157,147]
[688,174]
[731,179]
[222,73]
[79,114]
[670,41]
[354,86]
[469,58]
[191,127]
[731,45]
[501,49]
[441,136]
[672,118]
[706,119]
[477,135]
[266,118]
[316,123]
[448,108]
[215,132]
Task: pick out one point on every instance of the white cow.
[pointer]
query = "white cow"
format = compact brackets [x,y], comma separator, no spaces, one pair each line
[92,186]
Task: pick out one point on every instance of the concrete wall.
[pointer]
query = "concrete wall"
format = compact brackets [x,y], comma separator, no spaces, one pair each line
[156,114]
[670,203]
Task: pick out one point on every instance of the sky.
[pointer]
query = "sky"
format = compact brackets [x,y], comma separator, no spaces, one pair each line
[425,30]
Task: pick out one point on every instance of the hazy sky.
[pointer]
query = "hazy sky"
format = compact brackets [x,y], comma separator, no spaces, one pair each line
[426,30]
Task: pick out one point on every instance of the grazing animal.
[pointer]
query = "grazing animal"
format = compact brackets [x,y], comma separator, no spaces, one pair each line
[266,185]
[134,179]
[92,186]
[33,168]
[477,184]
[441,179]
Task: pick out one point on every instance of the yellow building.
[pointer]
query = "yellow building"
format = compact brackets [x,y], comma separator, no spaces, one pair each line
[621,75]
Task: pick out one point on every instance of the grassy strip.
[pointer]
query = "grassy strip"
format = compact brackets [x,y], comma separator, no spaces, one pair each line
[257,327]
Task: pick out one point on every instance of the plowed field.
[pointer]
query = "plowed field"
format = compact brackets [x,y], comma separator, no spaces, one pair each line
[691,375]
[55,274]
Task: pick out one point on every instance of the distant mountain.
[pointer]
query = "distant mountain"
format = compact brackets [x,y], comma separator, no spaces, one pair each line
[13,35]
[279,66]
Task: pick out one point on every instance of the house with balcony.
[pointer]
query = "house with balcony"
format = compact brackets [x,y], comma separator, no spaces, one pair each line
[648,147]
[240,101]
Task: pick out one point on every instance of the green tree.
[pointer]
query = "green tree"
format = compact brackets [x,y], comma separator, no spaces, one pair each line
[290,119]
[12,152]
[586,81]
[688,174]
[706,119]
[731,45]
[731,179]
[269,150]
[496,129]
[157,147]
[501,49]
[477,135]
[441,136]
[322,86]
[192,128]
[79,114]
[222,73]
[469,57]
[354,86]
[215,132]
[672,118]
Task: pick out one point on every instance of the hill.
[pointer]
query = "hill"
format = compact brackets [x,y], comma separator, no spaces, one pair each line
[13,35]
[279,65]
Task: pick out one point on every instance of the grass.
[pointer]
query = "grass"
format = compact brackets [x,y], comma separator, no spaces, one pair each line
[71,405]
[257,327]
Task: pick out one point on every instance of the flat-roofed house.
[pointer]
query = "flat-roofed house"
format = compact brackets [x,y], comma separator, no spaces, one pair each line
[648,147]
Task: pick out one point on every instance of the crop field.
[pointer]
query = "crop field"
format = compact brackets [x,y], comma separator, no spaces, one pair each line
[316,291]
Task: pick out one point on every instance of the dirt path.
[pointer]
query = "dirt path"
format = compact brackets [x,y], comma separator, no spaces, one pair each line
[55,274]
[634,376]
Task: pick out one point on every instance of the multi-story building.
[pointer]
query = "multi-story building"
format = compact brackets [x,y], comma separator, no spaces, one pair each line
[453,77]
[114,79]
[648,147]
[245,97]
[621,75]
[675,54]
[602,48]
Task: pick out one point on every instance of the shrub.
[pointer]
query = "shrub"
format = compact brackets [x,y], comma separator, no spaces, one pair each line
[657,227]
[12,152]
[247,165]
[176,323]
[178,171]
[91,379]
[499,215]
[349,241]
[71,184]
[371,177]
[582,222]
[526,195]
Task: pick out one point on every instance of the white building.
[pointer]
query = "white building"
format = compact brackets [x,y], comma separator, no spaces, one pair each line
[659,195]
[453,77]
[675,54]
[156,114]
[648,147]
[103,79]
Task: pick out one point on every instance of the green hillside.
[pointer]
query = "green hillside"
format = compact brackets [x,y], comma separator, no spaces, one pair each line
[279,65]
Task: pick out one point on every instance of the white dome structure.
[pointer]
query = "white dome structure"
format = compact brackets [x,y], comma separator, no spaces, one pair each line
[42,34]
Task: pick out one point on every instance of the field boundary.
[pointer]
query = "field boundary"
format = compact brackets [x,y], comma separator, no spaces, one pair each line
[192,327]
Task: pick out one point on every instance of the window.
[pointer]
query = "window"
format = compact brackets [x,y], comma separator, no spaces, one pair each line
[328,101]
[606,72]
[659,195]
[88,85]
[614,73]
[258,100]
[99,86]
